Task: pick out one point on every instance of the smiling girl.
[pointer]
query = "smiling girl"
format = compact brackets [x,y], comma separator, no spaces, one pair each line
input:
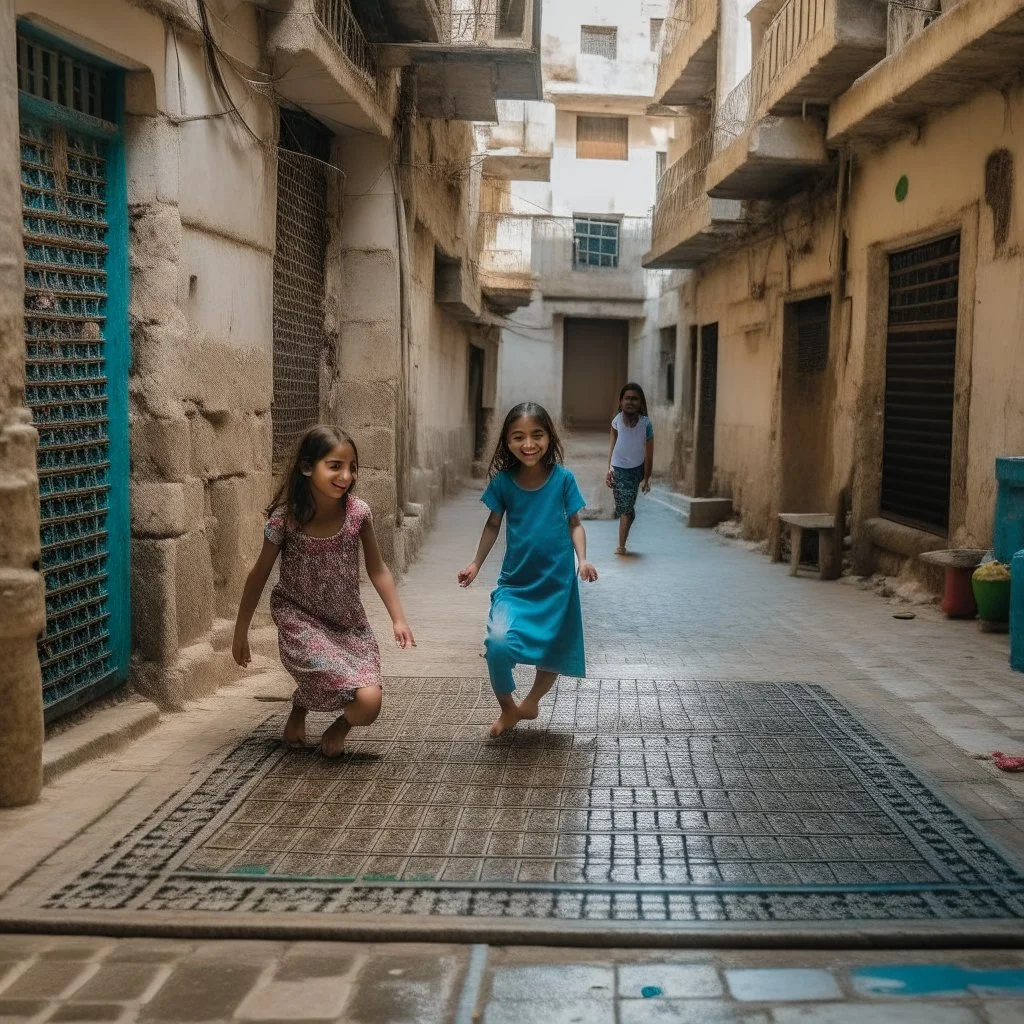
[535,617]
[316,524]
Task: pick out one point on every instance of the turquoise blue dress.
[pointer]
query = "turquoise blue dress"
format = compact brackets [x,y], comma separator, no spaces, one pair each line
[535,617]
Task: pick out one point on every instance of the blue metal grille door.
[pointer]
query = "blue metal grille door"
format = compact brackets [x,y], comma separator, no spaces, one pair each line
[75,365]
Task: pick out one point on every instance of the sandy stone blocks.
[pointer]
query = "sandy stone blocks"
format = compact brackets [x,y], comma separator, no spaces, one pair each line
[368,404]
[369,286]
[236,506]
[369,350]
[160,448]
[228,444]
[193,586]
[158,509]
[154,600]
[376,448]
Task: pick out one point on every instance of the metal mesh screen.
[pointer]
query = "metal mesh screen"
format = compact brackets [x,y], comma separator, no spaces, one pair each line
[812,320]
[64,197]
[302,233]
[599,41]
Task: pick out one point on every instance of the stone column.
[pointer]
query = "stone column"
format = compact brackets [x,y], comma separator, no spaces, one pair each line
[22,610]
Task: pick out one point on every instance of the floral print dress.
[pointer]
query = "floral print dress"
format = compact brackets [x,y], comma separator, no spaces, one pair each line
[324,637]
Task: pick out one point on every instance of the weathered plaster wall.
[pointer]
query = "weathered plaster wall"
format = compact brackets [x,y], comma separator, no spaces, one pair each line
[22,614]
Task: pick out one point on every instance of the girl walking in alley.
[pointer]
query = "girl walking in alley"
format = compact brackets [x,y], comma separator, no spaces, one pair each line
[535,609]
[325,640]
[630,457]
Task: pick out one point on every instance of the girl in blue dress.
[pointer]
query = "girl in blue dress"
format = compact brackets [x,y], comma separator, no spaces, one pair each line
[535,610]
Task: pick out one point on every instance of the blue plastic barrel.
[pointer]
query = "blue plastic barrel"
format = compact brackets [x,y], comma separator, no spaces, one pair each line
[1017,612]
[1008,534]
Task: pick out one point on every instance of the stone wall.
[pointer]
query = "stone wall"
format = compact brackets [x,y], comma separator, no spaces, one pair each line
[22,614]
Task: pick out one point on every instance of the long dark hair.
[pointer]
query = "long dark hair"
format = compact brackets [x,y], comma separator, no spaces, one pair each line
[294,494]
[633,386]
[503,460]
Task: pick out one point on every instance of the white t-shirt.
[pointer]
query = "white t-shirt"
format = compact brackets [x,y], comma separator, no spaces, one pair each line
[631,443]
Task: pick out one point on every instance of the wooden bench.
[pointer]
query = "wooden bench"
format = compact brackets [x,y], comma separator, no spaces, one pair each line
[830,546]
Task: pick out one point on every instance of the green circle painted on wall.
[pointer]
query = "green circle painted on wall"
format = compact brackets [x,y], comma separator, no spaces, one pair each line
[902,188]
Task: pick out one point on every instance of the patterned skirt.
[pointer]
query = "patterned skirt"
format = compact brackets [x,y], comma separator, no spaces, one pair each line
[626,484]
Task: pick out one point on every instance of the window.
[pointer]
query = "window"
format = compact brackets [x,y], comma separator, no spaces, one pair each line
[602,138]
[660,163]
[595,242]
[668,365]
[811,321]
[599,41]
[656,24]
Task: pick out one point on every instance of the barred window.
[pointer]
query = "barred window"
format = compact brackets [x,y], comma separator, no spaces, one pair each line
[656,25]
[595,242]
[602,138]
[599,41]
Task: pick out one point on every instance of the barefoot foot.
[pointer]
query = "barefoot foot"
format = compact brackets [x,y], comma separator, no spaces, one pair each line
[620,551]
[505,721]
[332,743]
[529,709]
[295,728]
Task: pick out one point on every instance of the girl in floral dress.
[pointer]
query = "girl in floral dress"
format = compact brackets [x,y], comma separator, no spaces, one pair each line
[316,524]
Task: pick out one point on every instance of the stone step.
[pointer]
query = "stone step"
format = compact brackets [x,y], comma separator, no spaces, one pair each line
[702,513]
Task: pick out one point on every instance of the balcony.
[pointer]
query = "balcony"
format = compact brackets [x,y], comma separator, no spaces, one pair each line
[813,50]
[976,45]
[520,146]
[400,21]
[689,226]
[324,62]
[571,268]
[506,267]
[761,157]
[488,50]
[688,53]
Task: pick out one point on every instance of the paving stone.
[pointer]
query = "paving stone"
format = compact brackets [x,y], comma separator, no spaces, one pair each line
[564,982]
[577,1011]
[74,948]
[149,951]
[310,999]
[13,1011]
[48,979]
[876,1013]
[1003,1011]
[688,1011]
[405,989]
[201,992]
[88,1013]
[299,965]
[782,984]
[674,981]
[118,982]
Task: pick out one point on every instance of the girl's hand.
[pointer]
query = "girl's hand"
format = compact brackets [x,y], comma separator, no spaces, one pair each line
[240,651]
[609,479]
[646,486]
[467,575]
[403,636]
[587,572]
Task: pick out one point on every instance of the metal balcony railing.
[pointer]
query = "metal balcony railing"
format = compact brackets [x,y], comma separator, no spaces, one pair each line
[338,21]
[682,185]
[797,23]
[907,19]
[681,16]
[482,22]
[506,243]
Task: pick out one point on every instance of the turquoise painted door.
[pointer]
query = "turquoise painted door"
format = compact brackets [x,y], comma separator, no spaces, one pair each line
[76,359]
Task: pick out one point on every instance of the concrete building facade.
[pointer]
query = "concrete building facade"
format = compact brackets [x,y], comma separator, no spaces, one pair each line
[577,220]
[848,212]
[237,219]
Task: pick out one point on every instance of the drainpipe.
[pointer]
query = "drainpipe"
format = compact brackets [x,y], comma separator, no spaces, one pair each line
[835,328]
[402,445]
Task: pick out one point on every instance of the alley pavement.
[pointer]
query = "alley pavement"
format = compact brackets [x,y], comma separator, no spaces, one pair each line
[692,639]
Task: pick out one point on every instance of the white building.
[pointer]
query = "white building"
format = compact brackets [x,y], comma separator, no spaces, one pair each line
[570,184]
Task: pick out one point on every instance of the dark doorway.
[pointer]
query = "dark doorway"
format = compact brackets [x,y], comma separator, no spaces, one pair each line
[594,366]
[920,371]
[477,361]
[806,419]
[707,401]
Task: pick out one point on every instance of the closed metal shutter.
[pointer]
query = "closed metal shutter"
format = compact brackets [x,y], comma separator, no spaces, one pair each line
[302,235]
[812,318]
[75,369]
[920,369]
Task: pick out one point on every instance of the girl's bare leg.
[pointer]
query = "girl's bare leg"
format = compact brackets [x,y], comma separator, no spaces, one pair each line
[530,707]
[508,717]
[295,727]
[363,710]
[625,525]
